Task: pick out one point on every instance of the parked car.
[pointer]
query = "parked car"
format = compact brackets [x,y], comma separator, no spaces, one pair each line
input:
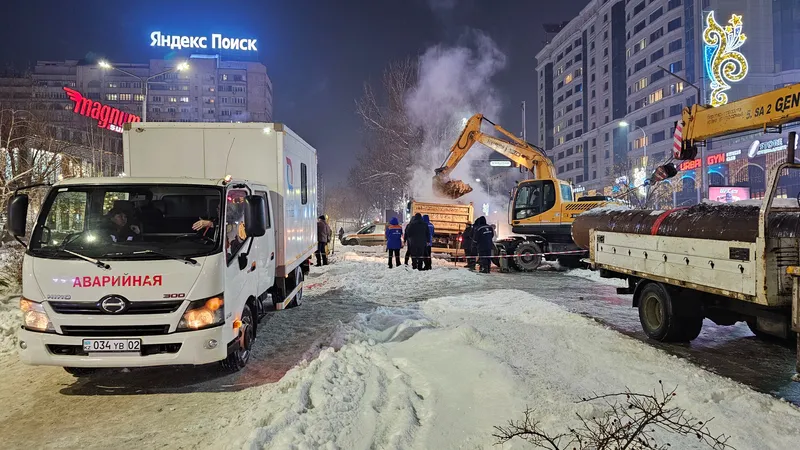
[371,235]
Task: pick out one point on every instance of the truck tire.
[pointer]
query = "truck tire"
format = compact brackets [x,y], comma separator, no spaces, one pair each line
[527,256]
[239,358]
[351,242]
[657,314]
[298,297]
[80,371]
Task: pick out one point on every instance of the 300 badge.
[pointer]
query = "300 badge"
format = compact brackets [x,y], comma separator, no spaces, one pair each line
[180,295]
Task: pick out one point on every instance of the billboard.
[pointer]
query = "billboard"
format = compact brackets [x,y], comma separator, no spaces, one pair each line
[728,194]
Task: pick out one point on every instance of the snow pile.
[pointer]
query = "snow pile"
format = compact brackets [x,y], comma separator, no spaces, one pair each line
[776,203]
[444,375]
[610,207]
[593,275]
[10,320]
[369,277]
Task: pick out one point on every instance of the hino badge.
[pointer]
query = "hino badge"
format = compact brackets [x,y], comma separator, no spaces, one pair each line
[211,227]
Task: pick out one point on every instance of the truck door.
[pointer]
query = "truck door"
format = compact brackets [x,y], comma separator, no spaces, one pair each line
[239,283]
[264,252]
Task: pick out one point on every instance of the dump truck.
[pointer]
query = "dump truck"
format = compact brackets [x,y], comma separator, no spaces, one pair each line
[726,262]
[449,221]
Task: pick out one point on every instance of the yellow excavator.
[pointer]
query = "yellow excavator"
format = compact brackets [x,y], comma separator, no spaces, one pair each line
[541,209]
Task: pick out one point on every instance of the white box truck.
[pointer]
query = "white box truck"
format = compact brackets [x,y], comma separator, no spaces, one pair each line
[175,262]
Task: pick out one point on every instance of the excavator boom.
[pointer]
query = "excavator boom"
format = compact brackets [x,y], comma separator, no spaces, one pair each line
[515,149]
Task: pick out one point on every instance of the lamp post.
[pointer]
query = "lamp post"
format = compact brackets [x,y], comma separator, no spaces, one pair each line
[624,124]
[145,80]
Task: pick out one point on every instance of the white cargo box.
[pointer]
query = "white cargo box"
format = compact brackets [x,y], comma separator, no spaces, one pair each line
[264,153]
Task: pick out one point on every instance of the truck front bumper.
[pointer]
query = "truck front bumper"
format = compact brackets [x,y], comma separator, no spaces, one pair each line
[189,347]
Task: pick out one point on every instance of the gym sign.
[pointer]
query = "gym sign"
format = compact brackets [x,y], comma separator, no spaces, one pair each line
[106,116]
[217,42]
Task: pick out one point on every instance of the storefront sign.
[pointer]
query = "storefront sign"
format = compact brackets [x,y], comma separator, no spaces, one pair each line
[690,165]
[578,189]
[758,148]
[106,116]
[201,42]
[718,158]
[728,194]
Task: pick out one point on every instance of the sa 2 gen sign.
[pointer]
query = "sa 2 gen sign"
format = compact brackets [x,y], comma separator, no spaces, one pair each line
[218,41]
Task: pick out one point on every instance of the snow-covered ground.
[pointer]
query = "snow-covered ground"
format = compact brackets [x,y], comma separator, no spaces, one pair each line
[421,371]
[594,275]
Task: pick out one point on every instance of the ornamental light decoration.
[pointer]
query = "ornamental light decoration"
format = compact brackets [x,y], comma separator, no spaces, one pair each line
[724,63]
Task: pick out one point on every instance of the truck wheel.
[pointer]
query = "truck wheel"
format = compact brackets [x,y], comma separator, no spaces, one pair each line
[298,297]
[241,356]
[80,371]
[657,314]
[351,242]
[528,256]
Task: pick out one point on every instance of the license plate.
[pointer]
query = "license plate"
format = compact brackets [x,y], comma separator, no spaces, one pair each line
[112,345]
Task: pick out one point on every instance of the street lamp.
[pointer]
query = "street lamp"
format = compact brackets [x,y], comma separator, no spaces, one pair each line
[180,67]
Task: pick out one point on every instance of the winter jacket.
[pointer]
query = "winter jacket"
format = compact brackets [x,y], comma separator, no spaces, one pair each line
[417,233]
[427,220]
[484,236]
[323,232]
[466,240]
[394,235]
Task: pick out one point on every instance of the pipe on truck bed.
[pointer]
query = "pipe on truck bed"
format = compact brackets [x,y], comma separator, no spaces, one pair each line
[704,221]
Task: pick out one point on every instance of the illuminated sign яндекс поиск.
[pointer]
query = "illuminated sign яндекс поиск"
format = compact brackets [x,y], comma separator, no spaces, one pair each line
[201,42]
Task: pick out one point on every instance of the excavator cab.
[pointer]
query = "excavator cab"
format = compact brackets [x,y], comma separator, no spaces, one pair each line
[538,201]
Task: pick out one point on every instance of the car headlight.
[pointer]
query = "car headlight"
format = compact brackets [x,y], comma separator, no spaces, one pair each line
[204,313]
[34,316]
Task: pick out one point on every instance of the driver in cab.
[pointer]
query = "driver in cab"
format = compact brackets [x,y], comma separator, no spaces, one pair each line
[119,227]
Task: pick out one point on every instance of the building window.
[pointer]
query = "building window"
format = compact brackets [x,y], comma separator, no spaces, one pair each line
[656,35]
[594,159]
[172,99]
[570,166]
[639,85]
[672,4]
[112,97]
[138,97]
[125,97]
[676,88]
[640,65]
[638,8]
[640,142]
[605,69]
[639,27]
[605,103]
[657,116]
[112,85]
[172,109]
[224,77]
[184,110]
[658,137]
[223,99]
[641,123]
[605,51]
[184,99]
[674,24]
[676,66]
[675,45]
[675,110]
[657,75]
[569,152]
[655,96]
[225,112]
[658,54]
[567,80]
[656,14]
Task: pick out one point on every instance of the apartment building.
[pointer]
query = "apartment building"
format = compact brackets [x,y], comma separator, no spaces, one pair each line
[611,89]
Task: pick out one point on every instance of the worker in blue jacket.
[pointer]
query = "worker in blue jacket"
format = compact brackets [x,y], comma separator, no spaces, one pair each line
[484,238]
[429,247]
[394,240]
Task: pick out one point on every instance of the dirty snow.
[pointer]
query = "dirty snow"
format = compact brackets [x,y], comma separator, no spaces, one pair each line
[594,275]
[368,275]
[442,375]
[10,320]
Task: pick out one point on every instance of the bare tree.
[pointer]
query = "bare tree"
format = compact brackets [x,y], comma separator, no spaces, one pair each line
[629,422]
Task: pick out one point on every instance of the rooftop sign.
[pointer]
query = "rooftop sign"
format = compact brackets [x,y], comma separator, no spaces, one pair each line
[106,116]
[201,42]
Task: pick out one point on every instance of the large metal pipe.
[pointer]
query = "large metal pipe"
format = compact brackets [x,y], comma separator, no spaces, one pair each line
[702,221]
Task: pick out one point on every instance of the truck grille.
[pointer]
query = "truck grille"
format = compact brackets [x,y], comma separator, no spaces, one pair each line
[160,307]
[114,331]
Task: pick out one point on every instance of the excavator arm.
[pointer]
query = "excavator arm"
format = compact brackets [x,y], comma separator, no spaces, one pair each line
[515,149]
[766,111]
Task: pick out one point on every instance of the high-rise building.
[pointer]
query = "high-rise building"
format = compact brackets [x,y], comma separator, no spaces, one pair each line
[613,82]
[210,90]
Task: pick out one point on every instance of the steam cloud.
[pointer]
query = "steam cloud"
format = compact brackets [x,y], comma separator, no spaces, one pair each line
[454,83]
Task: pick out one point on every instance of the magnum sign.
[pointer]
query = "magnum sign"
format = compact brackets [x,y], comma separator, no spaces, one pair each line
[106,116]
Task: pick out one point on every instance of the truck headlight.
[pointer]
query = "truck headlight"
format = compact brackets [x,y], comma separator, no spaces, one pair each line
[34,316]
[204,313]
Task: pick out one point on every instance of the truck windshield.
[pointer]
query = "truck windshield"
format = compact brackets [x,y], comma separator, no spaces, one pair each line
[129,221]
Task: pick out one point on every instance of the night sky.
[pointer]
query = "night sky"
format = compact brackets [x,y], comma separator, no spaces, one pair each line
[318,53]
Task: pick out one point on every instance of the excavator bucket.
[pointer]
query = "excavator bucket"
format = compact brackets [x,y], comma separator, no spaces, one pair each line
[445,187]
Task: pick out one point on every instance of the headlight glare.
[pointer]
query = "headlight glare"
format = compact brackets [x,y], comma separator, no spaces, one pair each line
[204,313]
[34,316]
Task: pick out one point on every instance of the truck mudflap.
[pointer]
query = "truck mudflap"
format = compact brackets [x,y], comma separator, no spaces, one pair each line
[296,292]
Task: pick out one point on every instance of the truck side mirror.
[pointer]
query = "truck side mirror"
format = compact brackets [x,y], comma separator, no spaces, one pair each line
[255,216]
[17,215]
